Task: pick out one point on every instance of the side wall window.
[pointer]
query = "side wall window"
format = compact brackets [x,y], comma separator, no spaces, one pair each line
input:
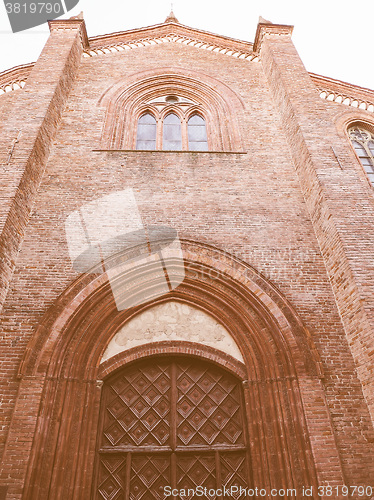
[363,142]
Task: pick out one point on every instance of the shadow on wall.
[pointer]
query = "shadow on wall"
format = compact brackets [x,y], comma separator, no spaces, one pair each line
[111,225]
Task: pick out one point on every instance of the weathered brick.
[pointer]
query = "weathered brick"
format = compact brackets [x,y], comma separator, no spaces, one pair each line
[278,201]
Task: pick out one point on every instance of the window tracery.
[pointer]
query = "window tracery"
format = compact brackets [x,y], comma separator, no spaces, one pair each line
[363,143]
[184,93]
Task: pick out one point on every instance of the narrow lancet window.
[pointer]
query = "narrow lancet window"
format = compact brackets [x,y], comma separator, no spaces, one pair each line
[172,133]
[363,142]
[146,134]
[197,138]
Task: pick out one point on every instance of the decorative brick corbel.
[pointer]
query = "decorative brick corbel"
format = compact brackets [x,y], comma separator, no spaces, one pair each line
[71,24]
[267,28]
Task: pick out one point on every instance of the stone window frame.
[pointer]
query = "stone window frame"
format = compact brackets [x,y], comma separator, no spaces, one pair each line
[368,129]
[183,114]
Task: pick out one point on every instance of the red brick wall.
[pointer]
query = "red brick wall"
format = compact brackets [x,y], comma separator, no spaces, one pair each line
[340,203]
[306,229]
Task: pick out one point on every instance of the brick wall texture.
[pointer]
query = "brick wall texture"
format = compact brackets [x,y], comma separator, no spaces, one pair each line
[279,202]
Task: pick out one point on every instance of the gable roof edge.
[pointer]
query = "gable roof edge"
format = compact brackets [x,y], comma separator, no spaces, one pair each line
[165,29]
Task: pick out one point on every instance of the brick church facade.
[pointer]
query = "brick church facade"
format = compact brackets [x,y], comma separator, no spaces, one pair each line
[256,368]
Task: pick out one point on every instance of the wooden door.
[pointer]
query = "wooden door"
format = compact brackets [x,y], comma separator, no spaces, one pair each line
[171,422]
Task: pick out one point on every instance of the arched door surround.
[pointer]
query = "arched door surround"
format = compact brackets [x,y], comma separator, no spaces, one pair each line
[281,374]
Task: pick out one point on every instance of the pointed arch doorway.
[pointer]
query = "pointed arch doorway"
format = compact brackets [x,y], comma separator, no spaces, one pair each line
[281,376]
[171,423]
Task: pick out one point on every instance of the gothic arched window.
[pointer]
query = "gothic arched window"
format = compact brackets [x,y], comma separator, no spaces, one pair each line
[176,423]
[172,123]
[172,133]
[183,93]
[197,138]
[146,132]
[363,142]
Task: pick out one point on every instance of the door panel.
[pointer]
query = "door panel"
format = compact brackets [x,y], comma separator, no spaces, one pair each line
[170,422]
[149,475]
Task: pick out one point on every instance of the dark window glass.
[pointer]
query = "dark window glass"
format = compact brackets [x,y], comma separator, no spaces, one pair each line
[197,138]
[363,142]
[172,133]
[365,160]
[359,149]
[146,135]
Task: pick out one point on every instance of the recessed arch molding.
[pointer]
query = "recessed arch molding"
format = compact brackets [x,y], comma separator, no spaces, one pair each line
[125,102]
[281,373]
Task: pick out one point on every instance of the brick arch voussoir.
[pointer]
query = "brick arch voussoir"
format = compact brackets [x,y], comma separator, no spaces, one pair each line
[277,354]
[165,349]
[74,333]
[362,123]
[351,117]
[220,103]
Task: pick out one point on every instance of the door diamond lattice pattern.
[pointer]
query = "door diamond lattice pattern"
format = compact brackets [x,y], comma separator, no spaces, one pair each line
[176,423]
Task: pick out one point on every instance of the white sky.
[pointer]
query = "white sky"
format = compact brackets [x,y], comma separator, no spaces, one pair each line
[334,38]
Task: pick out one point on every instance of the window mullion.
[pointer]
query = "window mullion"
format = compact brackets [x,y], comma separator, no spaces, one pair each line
[159,134]
[369,153]
[184,134]
[367,150]
[370,159]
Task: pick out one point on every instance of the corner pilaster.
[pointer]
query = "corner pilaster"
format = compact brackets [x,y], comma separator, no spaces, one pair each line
[266,28]
[340,204]
[29,132]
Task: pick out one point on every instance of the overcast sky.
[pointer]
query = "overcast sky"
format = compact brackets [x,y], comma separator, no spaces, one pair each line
[333,38]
